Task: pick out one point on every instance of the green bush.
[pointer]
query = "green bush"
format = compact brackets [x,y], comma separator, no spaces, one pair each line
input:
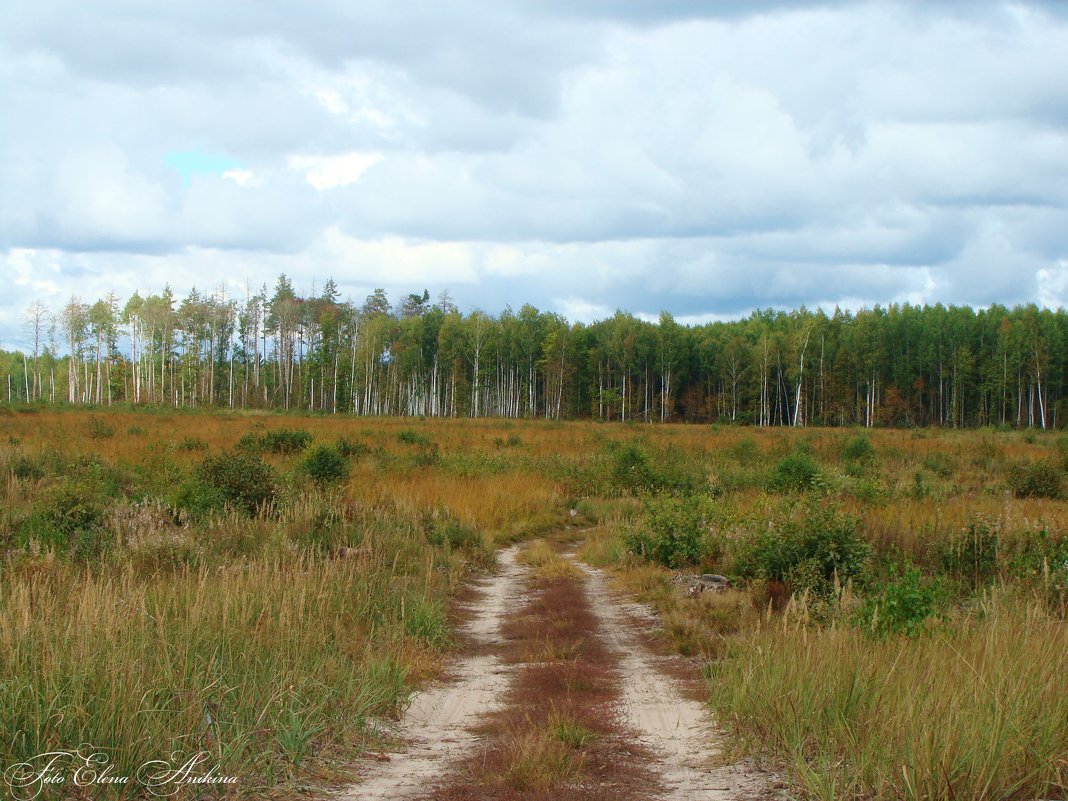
[858,454]
[68,518]
[411,437]
[98,429]
[1036,480]
[351,448]
[192,444]
[901,606]
[324,465]
[1040,559]
[807,551]
[446,531]
[972,555]
[285,440]
[675,531]
[426,455]
[238,478]
[632,471]
[939,463]
[250,442]
[795,472]
[27,469]
[744,450]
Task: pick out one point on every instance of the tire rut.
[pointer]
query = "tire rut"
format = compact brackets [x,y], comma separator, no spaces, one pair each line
[678,729]
[437,726]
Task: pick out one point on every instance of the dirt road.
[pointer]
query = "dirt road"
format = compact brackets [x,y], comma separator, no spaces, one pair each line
[437,727]
[460,736]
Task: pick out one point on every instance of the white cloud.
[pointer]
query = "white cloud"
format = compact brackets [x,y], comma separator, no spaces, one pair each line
[703,158]
[1053,285]
[330,172]
[241,177]
[578,310]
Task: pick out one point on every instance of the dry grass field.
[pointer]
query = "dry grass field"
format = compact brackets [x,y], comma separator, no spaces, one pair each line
[266,587]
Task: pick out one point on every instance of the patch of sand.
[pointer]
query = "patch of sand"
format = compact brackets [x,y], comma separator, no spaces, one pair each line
[437,725]
[678,729]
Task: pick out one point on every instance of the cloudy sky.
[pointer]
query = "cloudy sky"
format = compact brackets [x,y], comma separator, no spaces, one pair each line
[702,157]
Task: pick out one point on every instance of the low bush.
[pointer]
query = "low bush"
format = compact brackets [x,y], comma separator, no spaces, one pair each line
[98,429]
[807,551]
[238,478]
[1040,560]
[972,555]
[69,519]
[324,465]
[285,440]
[445,531]
[940,464]
[350,448]
[675,532]
[1036,480]
[901,606]
[410,436]
[27,469]
[632,471]
[795,472]
[858,455]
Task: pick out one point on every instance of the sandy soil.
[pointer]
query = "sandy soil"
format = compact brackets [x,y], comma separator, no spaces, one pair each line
[678,729]
[438,729]
[437,725]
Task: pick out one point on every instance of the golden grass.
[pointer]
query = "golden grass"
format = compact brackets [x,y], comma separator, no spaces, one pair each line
[545,563]
[288,652]
[977,712]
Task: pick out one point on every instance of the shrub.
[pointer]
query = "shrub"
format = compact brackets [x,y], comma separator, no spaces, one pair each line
[1041,560]
[939,464]
[285,440]
[744,450]
[631,470]
[795,472]
[250,442]
[427,455]
[324,465]
[192,444]
[350,448]
[27,469]
[411,437]
[238,478]
[446,531]
[806,552]
[68,518]
[972,555]
[901,606]
[98,429]
[858,454]
[675,531]
[1036,480]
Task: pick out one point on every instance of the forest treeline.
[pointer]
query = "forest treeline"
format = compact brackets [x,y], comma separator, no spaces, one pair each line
[901,365]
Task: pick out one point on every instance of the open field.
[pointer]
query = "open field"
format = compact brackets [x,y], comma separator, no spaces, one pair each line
[270,588]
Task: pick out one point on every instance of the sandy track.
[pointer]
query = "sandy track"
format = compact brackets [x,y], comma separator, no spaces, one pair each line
[437,724]
[678,729]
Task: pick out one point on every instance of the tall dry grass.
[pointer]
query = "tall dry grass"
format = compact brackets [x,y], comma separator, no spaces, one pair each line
[275,665]
[976,711]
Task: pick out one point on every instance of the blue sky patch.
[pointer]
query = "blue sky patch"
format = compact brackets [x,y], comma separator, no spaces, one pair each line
[192,162]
